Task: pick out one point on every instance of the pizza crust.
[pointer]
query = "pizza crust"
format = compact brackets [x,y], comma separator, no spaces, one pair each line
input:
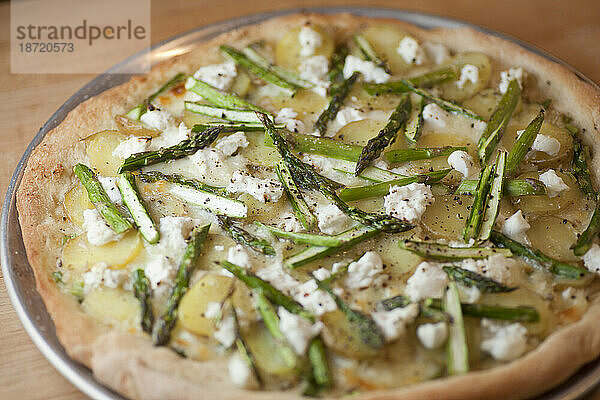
[131,365]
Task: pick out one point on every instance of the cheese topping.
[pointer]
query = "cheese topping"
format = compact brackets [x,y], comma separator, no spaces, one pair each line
[370,71]
[410,51]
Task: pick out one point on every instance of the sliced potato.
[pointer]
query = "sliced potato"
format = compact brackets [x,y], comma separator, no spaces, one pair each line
[385,39]
[76,201]
[359,132]
[129,126]
[545,204]
[79,255]
[262,346]
[257,152]
[287,51]
[343,338]
[113,306]
[553,236]
[359,98]
[306,103]
[447,216]
[242,83]
[99,149]
[211,288]
[482,62]
[484,103]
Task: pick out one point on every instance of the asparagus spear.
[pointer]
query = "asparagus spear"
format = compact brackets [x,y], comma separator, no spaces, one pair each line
[141,290]
[216,97]
[473,226]
[287,75]
[163,326]
[523,144]
[498,121]
[195,192]
[182,149]
[414,126]
[494,196]
[518,314]
[98,196]
[136,112]
[470,278]
[321,374]
[584,242]
[347,239]
[271,321]
[242,348]
[306,177]
[306,238]
[243,116]
[232,127]
[372,174]
[533,256]
[134,203]
[426,80]
[337,99]
[243,237]
[437,251]
[457,349]
[512,187]
[386,136]
[444,104]
[319,145]
[370,54]
[581,156]
[423,153]
[301,209]
[383,188]
[368,331]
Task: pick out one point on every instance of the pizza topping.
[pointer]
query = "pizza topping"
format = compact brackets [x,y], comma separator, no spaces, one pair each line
[592,259]
[435,115]
[554,183]
[467,73]
[436,52]
[309,40]
[97,230]
[228,145]
[362,272]
[433,335]
[462,162]
[101,274]
[331,219]
[286,116]
[369,70]
[393,323]
[408,202]
[428,281]
[410,50]
[503,341]
[240,374]
[132,145]
[297,330]
[509,75]
[264,190]
[220,76]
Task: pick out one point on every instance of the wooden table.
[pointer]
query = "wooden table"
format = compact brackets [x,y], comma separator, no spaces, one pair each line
[569,30]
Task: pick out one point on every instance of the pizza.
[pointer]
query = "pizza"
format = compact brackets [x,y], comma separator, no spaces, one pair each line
[325,205]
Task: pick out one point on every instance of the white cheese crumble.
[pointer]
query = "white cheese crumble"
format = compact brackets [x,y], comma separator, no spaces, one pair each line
[314,69]
[515,227]
[239,256]
[310,40]
[314,299]
[240,373]
[504,341]
[276,276]
[463,163]
[264,190]
[98,232]
[435,115]
[410,50]
[497,267]
[225,332]
[331,220]
[393,323]
[109,184]
[289,223]
[509,75]
[101,274]
[436,52]
[131,145]
[433,335]
[469,294]
[591,259]
[322,274]
[546,144]
[157,119]
[428,281]
[554,183]
[207,160]
[362,272]
[370,71]
[220,76]
[286,116]
[230,144]
[170,136]
[468,72]
[408,202]
[297,330]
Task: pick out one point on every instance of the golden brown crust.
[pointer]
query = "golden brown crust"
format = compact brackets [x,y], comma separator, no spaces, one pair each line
[132,366]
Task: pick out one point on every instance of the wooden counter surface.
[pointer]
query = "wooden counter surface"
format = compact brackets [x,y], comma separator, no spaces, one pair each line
[568,29]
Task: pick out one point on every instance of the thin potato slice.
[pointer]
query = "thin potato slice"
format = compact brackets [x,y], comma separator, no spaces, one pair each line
[113,306]
[76,202]
[287,51]
[385,39]
[100,147]
[263,347]
[343,338]
[554,237]
[257,152]
[447,216]
[129,126]
[242,83]
[455,93]
[545,204]
[359,132]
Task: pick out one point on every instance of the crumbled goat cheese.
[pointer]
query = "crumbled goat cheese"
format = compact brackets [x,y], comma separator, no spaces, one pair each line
[239,256]
[264,190]
[322,274]
[160,271]
[286,116]
[240,373]
[509,75]
[276,276]
[230,144]
[109,184]
[435,115]
[436,52]
[225,332]
[497,267]
[463,163]
[157,119]
[314,299]
[331,220]
[171,136]
[433,335]
[468,72]
[554,183]
[504,341]
[408,202]
[207,159]
[100,274]
[213,310]
[310,40]
[289,223]
[129,146]
[370,71]
[393,323]
[314,69]
[546,144]
[297,330]
[428,281]
[515,227]
[410,51]
[98,232]
[469,294]
[591,259]
[220,76]
[362,272]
